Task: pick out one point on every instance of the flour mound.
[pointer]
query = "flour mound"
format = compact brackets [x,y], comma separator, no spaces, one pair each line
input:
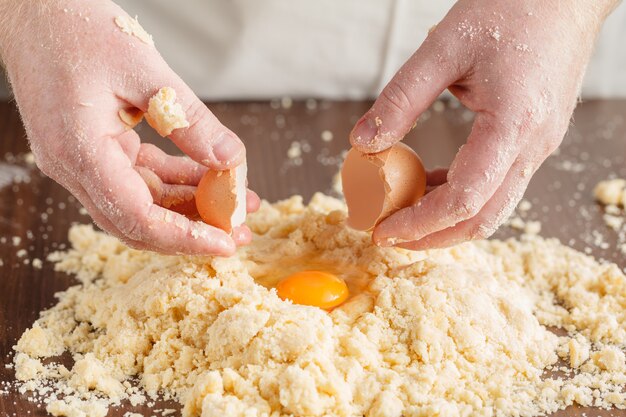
[458,331]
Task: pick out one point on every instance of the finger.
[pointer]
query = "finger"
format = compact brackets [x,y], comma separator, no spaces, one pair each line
[98,218]
[130,145]
[435,178]
[242,235]
[205,140]
[490,217]
[253,202]
[431,69]
[181,199]
[171,169]
[477,171]
[175,197]
[121,194]
[105,224]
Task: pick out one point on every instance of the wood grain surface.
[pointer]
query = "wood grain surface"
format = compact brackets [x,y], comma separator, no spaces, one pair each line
[35,213]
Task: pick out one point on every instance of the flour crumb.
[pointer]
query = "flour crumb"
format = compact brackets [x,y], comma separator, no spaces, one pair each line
[326,135]
[286,103]
[164,113]
[495,33]
[29,158]
[294,151]
[611,192]
[610,359]
[524,206]
[132,27]
[578,351]
[530,227]
[439,106]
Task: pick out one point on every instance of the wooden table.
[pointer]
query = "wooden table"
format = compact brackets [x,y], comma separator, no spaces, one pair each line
[39,212]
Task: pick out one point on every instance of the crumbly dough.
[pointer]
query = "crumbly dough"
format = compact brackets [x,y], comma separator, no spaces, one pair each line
[164,113]
[76,408]
[458,331]
[132,27]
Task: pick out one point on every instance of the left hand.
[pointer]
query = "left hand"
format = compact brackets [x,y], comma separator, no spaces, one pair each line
[519,67]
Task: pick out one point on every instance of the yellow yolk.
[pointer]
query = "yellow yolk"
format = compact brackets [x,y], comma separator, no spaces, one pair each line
[313,288]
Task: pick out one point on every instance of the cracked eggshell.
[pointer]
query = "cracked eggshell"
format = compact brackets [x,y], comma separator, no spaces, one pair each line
[131,117]
[221,198]
[377,185]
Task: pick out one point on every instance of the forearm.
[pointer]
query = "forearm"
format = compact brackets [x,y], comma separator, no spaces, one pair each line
[605,7]
[591,14]
[17,19]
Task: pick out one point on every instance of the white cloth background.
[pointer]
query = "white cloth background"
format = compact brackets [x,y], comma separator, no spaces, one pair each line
[238,49]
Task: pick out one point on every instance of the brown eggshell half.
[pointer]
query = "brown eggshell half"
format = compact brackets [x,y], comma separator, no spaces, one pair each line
[221,198]
[377,185]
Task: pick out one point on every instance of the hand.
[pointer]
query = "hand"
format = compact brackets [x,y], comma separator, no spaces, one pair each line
[519,67]
[72,69]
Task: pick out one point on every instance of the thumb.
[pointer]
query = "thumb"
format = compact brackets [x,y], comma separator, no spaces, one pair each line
[205,139]
[429,71]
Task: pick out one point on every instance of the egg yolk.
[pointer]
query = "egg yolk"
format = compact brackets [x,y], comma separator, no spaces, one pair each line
[313,288]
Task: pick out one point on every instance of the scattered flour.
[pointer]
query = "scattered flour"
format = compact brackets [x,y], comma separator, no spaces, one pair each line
[10,174]
[294,151]
[457,331]
[530,227]
[327,135]
[37,263]
[164,113]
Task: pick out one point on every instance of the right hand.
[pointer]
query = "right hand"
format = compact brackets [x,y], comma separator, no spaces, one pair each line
[72,69]
[521,73]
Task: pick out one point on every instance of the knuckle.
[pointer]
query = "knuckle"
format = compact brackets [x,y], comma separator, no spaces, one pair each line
[467,203]
[132,228]
[551,144]
[198,116]
[132,243]
[397,98]
[481,231]
[131,223]
[195,111]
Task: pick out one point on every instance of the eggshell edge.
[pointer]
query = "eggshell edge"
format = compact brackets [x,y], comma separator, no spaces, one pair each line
[393,193]
[226,192]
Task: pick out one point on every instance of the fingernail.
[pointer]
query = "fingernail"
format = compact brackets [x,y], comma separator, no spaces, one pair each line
[227,148]
[385,242]
[365,131]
